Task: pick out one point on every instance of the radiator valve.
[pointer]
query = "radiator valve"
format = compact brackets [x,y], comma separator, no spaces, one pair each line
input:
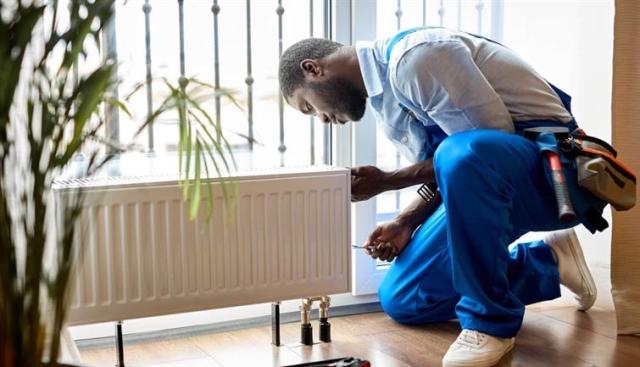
[306,330]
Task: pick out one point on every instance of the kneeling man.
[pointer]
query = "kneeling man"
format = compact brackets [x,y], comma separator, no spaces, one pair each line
[455,104]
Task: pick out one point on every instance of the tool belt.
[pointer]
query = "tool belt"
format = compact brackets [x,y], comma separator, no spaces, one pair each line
[598,169]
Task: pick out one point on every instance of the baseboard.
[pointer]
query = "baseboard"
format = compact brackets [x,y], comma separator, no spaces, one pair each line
[224,326]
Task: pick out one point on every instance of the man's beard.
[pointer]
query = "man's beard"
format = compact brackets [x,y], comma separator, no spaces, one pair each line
[346,99]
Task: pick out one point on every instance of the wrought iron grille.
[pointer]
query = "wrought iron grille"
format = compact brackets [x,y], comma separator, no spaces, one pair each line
[229,44]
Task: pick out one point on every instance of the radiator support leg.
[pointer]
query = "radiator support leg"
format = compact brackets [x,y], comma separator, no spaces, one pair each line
[275,324]
[119,344]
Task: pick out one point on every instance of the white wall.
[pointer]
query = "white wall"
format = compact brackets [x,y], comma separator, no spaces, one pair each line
[570,42]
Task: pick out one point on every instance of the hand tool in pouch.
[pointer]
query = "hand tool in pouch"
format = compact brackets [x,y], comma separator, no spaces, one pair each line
[566,213]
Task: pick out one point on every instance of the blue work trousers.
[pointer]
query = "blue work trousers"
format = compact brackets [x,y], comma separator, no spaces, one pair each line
[458,264]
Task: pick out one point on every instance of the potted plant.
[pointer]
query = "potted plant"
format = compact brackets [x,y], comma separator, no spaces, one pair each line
[47,117]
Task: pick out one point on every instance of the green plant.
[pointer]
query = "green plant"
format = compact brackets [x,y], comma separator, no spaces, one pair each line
[47,117]
[201,143]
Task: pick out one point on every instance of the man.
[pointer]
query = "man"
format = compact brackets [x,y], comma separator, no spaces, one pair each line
[455,104]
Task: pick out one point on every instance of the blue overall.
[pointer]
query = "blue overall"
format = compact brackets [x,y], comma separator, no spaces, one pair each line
[495,187]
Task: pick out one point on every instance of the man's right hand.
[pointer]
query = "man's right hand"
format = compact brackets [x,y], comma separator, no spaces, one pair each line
[367,182]
[388,240]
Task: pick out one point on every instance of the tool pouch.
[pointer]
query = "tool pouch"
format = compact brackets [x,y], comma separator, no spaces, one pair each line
[602,173]
[587,207]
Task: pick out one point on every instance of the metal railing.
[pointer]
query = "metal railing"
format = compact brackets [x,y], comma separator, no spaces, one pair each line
[432,12]
[216,8]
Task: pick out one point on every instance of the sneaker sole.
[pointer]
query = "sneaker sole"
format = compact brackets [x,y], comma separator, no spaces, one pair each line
[488,363]
[585,274]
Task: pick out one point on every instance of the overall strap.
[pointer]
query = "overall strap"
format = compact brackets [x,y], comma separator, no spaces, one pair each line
[402,34]
[397,38]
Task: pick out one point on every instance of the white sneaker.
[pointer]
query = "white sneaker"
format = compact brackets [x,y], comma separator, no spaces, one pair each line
[573,269]
[473,348]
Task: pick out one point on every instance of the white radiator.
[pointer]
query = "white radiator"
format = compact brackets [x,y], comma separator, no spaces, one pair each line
[143,256]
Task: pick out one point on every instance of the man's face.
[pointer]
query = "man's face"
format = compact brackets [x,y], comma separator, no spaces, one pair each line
[333,100]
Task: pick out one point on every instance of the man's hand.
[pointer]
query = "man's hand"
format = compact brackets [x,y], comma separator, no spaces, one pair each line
[388,240]
[367,182]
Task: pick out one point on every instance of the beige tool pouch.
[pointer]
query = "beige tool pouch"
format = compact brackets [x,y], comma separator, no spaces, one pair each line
[604,175]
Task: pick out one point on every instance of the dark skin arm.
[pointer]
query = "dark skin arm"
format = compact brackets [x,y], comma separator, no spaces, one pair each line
[389,239]
[369,181]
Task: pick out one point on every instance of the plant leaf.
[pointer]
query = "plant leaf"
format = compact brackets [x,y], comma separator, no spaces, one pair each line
[195,198]
[118,103]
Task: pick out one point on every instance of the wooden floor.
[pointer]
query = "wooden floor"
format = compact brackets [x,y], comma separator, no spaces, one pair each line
[553,334]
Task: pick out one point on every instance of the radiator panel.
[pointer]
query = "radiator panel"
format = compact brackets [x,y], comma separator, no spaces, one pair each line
[287,238]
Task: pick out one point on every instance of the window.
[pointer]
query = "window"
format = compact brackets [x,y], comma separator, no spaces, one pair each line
[306,141]
[236,44]
[229,44]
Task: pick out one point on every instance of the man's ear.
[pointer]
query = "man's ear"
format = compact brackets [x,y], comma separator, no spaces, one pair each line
[311,68]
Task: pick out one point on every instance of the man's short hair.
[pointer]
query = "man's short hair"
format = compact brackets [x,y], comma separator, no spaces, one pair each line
[290,74]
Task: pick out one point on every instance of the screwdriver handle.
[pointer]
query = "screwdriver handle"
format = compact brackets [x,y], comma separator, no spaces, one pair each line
[565,208]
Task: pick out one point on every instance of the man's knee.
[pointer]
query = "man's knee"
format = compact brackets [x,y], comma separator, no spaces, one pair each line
[411,309]
[391,303]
